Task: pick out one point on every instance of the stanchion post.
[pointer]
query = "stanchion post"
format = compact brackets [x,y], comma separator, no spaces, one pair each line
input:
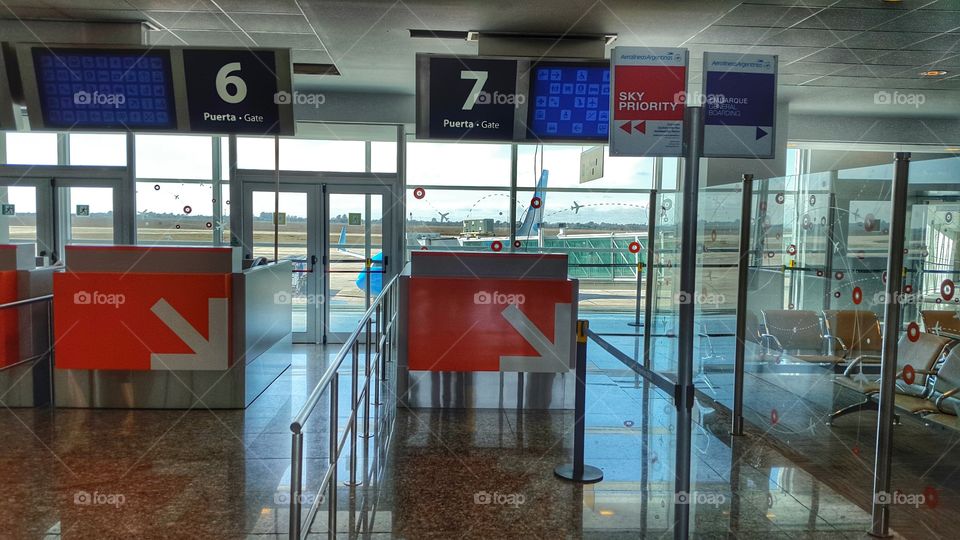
[577,471]
[743,275]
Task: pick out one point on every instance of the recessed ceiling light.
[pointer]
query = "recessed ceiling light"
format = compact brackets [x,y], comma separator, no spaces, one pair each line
[933,73]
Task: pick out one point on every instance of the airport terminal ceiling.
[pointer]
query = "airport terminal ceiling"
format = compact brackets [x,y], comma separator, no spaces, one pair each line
[834,56]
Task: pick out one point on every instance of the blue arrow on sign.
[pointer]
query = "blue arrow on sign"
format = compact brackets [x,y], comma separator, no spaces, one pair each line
[761,134]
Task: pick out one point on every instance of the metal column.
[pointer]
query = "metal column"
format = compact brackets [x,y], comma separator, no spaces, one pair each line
[684,396]
[649,303]
[891,331]
[513,197]
[743,278]
[831,242]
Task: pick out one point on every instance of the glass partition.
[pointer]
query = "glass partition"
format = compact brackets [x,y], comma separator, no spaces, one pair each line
[666,284]
[816,306]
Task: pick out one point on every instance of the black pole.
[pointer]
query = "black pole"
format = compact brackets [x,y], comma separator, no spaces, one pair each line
[684,395]
[891,333]
[743,278]
[577,471]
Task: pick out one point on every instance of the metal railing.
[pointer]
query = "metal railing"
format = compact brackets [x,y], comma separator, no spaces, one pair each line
[377,331]
[36,350]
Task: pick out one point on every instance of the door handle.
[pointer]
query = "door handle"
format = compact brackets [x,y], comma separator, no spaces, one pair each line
[313,262]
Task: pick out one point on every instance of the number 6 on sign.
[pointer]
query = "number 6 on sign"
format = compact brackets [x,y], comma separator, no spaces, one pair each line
[225,80]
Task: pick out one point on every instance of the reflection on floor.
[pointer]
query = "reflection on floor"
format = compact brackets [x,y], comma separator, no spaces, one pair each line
[489,474]
[80,473]
[787,405]
[452,474]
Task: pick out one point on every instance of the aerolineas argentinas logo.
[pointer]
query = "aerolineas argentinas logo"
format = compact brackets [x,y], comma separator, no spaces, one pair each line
[498,298]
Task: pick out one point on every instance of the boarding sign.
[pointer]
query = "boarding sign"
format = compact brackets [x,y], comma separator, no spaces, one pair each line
[647,101]
[466,98]
[741,100]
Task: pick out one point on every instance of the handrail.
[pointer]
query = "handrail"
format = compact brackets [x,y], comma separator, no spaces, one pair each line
[314,398]
[379,327]
[26,301]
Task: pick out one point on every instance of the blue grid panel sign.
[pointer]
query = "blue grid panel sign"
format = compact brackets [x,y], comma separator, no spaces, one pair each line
[105,88]
[569,102]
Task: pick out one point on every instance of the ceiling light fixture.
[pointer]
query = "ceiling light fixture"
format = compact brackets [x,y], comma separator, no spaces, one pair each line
[933,73]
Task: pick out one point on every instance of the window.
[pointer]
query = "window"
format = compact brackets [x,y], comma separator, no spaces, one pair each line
[302,155]
[98,149]
[31,148]
[175,213]
[182,157]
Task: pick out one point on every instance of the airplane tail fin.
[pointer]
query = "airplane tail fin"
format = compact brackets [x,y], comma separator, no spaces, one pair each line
[342,241]
[533,218]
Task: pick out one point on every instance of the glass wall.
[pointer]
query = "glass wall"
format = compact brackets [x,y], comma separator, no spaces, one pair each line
[458,198]
[176,198]
[815,330]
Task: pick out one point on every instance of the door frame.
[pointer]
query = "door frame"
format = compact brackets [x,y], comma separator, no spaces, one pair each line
[386,241]
[324,183]
[51,211]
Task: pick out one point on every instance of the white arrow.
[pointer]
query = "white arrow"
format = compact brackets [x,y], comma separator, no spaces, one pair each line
[209,353]
[554,356]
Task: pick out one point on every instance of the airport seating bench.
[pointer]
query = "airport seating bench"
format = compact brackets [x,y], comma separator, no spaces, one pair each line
[928,382]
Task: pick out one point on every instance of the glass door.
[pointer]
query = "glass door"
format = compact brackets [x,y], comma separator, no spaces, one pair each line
[356,262]
[53,207]
[295,238]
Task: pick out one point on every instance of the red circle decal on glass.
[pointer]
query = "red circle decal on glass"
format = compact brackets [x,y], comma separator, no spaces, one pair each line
[516,243]
[496,245]
[774,417]
[838,275]
[634,247]
[857,295]
[419,193]
[931,497]
[536,202]
[947,289]
[909,374]
[836,294]
[780,198]
[908,289]
[913,331]
[792,250]
[187,209]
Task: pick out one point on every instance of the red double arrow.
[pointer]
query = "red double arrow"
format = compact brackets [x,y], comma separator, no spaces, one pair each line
[638,127]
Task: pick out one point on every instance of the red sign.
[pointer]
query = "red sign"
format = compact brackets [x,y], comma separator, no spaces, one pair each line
[648,101]
[142,321]
[464,324]
[9,320]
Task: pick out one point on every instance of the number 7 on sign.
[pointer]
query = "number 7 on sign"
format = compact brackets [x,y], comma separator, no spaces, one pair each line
[480,78]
